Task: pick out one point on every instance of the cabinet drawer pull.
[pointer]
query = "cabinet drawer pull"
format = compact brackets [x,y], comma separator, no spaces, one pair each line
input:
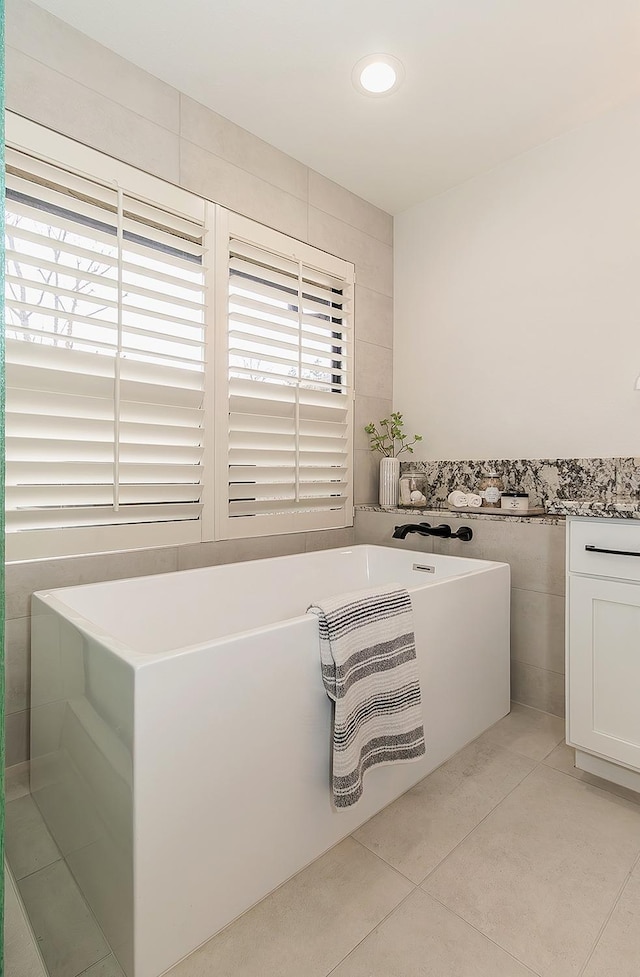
[596,549]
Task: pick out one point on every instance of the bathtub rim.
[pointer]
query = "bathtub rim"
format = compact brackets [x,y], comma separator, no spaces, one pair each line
[137,659]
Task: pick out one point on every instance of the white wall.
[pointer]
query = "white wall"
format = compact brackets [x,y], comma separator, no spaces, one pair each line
[517,303]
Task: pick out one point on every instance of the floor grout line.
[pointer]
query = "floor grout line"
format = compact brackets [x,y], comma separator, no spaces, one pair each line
[386,864]
[536,765]
[11,881]
[371,931]
[62,858]
[418,885]
[480,933]
[471,830]
[475,827]
[526,756]
[96,962]
[586,783]
[609,915]
[42,868]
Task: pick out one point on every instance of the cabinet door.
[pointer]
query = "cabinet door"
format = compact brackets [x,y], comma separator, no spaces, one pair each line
[604,668]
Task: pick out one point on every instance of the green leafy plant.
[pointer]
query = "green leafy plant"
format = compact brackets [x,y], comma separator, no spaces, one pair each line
[390,440]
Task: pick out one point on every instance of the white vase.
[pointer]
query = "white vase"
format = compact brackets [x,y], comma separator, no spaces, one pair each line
[389,475]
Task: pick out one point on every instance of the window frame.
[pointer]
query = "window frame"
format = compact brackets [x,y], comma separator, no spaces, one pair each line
[34,139]
[232,225]
[214,523]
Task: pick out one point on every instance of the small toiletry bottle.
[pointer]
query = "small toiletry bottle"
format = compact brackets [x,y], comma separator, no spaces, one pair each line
[490,489]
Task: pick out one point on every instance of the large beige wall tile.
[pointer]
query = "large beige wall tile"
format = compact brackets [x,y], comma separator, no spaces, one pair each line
[537,629]
[537,687]
[372,258]
[16,782]
[541,874]
[374,371]
[46,96]
[17,664]
[534,552]
[368,409]
[225,139]
[223,182]
[45,38]
[239,550]
[336,200]
[22,579]
[374,317]
[377,528]
[365,477]
[328,539]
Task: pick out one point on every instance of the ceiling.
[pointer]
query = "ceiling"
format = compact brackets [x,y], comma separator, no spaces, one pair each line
[485,79]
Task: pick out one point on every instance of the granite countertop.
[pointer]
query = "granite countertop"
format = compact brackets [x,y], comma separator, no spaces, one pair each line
[557,510]
[594,509]
[443,512]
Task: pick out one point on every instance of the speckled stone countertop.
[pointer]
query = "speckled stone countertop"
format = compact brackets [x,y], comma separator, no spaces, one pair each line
[605,488]
[556,512]
[593,510]
[442,512]
[548,482]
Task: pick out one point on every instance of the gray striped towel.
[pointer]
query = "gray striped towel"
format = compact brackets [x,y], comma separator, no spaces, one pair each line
[368,657]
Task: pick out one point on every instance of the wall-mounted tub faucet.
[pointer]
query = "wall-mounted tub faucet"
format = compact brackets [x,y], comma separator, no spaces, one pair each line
[465,533]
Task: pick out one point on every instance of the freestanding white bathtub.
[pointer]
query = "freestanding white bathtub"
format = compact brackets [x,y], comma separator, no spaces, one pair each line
[181,732]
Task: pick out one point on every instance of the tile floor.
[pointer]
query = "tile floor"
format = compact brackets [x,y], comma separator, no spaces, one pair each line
[504,862]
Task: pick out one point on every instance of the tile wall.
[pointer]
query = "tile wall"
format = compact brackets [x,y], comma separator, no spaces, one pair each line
[535,553]
[66,81]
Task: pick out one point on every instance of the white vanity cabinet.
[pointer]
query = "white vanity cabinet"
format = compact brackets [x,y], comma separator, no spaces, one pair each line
[603,647]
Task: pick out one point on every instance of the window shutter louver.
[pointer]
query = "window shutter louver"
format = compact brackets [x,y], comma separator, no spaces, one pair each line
[105,351]
[285,440]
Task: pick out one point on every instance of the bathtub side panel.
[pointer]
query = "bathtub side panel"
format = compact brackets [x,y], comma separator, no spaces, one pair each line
[82,765]
[232,758]
[463,644]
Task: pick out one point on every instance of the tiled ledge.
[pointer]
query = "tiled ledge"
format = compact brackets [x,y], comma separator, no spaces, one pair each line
[442,512]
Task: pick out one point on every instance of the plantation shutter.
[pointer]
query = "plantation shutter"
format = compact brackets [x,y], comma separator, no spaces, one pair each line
[105,352]
[285,403]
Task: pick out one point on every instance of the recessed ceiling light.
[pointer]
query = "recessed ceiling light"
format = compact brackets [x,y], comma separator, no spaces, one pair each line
[377,74]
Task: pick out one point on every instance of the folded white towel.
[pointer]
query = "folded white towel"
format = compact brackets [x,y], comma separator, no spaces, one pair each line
[473,501]
[459,499]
